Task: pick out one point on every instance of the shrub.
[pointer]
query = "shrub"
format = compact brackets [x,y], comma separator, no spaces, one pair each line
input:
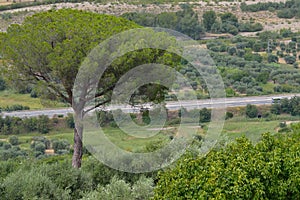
[43,124]
[290,59]
[241,170]
[58,145]
[229,115]
[31,185]
[13,140]
[2,84]
[205,115]
[118,189]
[70,121]
[6,146]
[39,147]
[251,111]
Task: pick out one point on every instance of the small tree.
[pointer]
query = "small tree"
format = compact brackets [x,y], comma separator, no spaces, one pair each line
[290,59]
[276,109]
[13,140]
[272,59]
[251,111]
[205,115]
[209,18]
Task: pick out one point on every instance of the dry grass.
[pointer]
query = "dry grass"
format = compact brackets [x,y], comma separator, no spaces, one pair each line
[9,98]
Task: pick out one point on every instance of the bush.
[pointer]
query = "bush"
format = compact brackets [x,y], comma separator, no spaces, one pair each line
[205,115]
[6,146]
[118,189]
[276,109]
[290,59]
[59,145]
[251,111]
[13,140]
[39,147]
[43,124]
[228,115]
[15,107]
[70,121]
[31,185]
[241,170]
[272,59]
[2,84]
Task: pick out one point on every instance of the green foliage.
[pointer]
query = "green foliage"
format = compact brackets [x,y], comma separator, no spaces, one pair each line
[250,27]
[288,9]
[251,111]
[31,185]
[276,109]
[2,82]
[185,21]
[15,107]
[205,115]
[43,124]
[47,181]
[70,121]
[13,140]
[7,152]
[290,59]
[241,170]
[209,18]
[60,146]
[272,58]
[229,115]
[118,189]
[60,38]
[229,18]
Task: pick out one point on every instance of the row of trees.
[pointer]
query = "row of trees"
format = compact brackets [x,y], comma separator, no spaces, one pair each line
[38,147]
[289,9]
[227,23]
[288,106]
[245,69]
[185,21]
[42,124]
[14,107]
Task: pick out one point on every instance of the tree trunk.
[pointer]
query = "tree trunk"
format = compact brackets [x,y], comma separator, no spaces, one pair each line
[77,154]
[78,131]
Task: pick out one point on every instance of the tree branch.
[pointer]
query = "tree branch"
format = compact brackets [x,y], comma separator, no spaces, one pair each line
[96,106]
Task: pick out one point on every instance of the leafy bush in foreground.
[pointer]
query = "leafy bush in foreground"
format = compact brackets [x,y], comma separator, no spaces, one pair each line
[242,170]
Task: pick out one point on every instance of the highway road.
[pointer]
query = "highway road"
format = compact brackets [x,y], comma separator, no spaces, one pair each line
[171,105]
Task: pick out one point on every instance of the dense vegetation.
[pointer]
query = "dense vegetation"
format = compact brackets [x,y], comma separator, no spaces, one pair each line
[289,9]
[241,170]
[248,64]
[36,165]
[187,22]
[288,106]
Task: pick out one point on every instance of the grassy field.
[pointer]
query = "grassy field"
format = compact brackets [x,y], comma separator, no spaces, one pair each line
[9,98]
[250,129]
[232,129]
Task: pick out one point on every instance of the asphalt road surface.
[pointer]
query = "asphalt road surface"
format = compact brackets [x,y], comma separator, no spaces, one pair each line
[171,105]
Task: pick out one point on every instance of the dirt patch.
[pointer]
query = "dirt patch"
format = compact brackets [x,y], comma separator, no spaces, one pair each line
[160,129]
[291,122]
